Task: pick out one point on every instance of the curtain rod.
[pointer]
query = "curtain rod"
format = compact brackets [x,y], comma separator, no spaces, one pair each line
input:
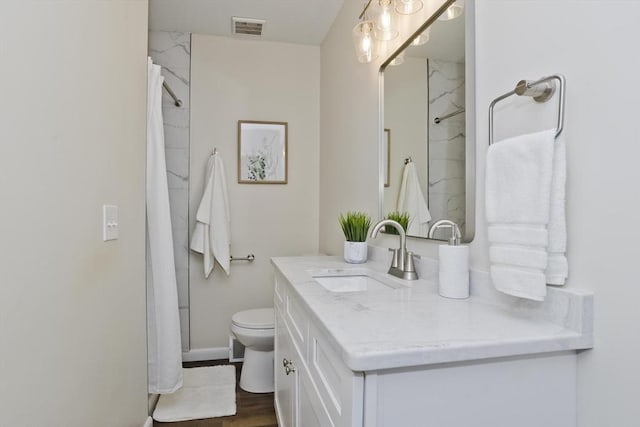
[176,100]
[455,113]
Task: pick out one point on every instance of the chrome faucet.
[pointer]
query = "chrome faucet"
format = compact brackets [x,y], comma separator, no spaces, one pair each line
[402,261]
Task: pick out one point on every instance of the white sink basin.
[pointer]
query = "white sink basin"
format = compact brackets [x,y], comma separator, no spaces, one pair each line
[354,280]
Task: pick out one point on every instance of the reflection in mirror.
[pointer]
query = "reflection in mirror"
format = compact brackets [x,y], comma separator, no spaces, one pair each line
[425,110]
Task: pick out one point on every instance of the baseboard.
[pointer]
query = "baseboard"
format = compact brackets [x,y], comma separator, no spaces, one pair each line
[200,354]
[148,422]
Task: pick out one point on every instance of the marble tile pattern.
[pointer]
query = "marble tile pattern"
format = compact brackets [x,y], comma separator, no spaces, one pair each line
[172,51]
[446,142]
[394,328]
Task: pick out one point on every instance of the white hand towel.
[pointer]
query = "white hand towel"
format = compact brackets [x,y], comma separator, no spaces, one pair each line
[519,178]
[557,266]
[411,200]
[212,234]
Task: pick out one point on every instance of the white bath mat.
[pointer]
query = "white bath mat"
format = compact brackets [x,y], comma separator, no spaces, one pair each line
[206,393]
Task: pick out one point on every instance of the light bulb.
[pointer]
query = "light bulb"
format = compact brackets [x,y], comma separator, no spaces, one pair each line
[385,19]
[385,28]
[366,44]
[363,42]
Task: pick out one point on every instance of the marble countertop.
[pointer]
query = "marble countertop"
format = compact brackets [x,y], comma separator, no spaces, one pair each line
[413,325]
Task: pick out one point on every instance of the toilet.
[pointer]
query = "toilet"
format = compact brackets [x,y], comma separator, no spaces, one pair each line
[255,330]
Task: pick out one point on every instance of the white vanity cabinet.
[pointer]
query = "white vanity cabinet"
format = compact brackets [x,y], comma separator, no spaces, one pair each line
[409,358]
[313,388]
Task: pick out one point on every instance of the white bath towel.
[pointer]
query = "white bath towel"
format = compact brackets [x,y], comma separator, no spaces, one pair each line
[212,234]
[557,265]
[520,202]
[411,200]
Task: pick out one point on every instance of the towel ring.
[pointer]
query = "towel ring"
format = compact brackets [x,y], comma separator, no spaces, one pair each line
[541,90]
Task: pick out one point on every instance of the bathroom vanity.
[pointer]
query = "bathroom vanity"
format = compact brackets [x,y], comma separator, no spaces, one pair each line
[357,347]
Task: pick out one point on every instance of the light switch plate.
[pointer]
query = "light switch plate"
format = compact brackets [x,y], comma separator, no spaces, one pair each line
[109,222]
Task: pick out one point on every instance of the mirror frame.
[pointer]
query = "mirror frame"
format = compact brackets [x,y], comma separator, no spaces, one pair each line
[470,115]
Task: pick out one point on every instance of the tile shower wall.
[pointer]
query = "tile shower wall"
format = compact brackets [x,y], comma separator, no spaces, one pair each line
[446,141]
[172,50]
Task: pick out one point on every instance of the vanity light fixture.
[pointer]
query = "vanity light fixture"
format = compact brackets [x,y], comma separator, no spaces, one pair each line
[363,37]
[364,42]
[452,11]
[421,38]
[385,28]
[408,7]
[368,32]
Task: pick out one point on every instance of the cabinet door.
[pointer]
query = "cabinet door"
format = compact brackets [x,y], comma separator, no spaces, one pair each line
[286,376]
[340,389]
[311,410]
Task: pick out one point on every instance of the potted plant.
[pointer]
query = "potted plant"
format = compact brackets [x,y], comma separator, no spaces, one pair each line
[401,218]
[355,226]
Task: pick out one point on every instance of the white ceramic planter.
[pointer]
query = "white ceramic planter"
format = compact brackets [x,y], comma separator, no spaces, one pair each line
[355,252]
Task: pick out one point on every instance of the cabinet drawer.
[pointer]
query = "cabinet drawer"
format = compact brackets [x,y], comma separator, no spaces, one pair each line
[298,324]
[338,386]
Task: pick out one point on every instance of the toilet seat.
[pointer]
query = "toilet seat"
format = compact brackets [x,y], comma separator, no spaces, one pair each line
[260,318]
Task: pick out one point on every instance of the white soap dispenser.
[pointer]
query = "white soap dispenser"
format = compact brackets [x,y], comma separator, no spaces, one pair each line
[453,263]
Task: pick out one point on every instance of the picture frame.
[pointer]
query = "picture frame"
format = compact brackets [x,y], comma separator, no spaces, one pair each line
[262,152]
[386,152]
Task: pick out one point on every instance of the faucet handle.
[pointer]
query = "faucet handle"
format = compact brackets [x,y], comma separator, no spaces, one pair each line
[409,267]
[394,259]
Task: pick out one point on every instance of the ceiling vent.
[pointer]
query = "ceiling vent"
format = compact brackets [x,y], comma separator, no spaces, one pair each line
[247,26]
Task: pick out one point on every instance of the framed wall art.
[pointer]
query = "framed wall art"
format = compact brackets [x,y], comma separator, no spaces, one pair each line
[262,152]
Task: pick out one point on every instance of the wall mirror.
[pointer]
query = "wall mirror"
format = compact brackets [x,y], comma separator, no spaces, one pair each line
[428,125]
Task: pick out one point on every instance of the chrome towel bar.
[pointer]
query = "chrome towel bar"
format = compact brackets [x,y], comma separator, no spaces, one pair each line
[541,90]
[249,258]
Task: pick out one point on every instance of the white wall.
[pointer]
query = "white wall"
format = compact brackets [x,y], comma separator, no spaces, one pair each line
[349,135]
[600,62]
[72,307]
[231,80]
[594,44]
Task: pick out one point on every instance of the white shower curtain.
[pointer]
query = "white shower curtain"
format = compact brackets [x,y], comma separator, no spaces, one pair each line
[163,320]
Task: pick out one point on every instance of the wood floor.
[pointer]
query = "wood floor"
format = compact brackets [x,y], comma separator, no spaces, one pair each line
[253,410]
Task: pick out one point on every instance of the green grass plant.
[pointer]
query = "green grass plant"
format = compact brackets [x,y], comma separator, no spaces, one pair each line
[401,218]
[355,226]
